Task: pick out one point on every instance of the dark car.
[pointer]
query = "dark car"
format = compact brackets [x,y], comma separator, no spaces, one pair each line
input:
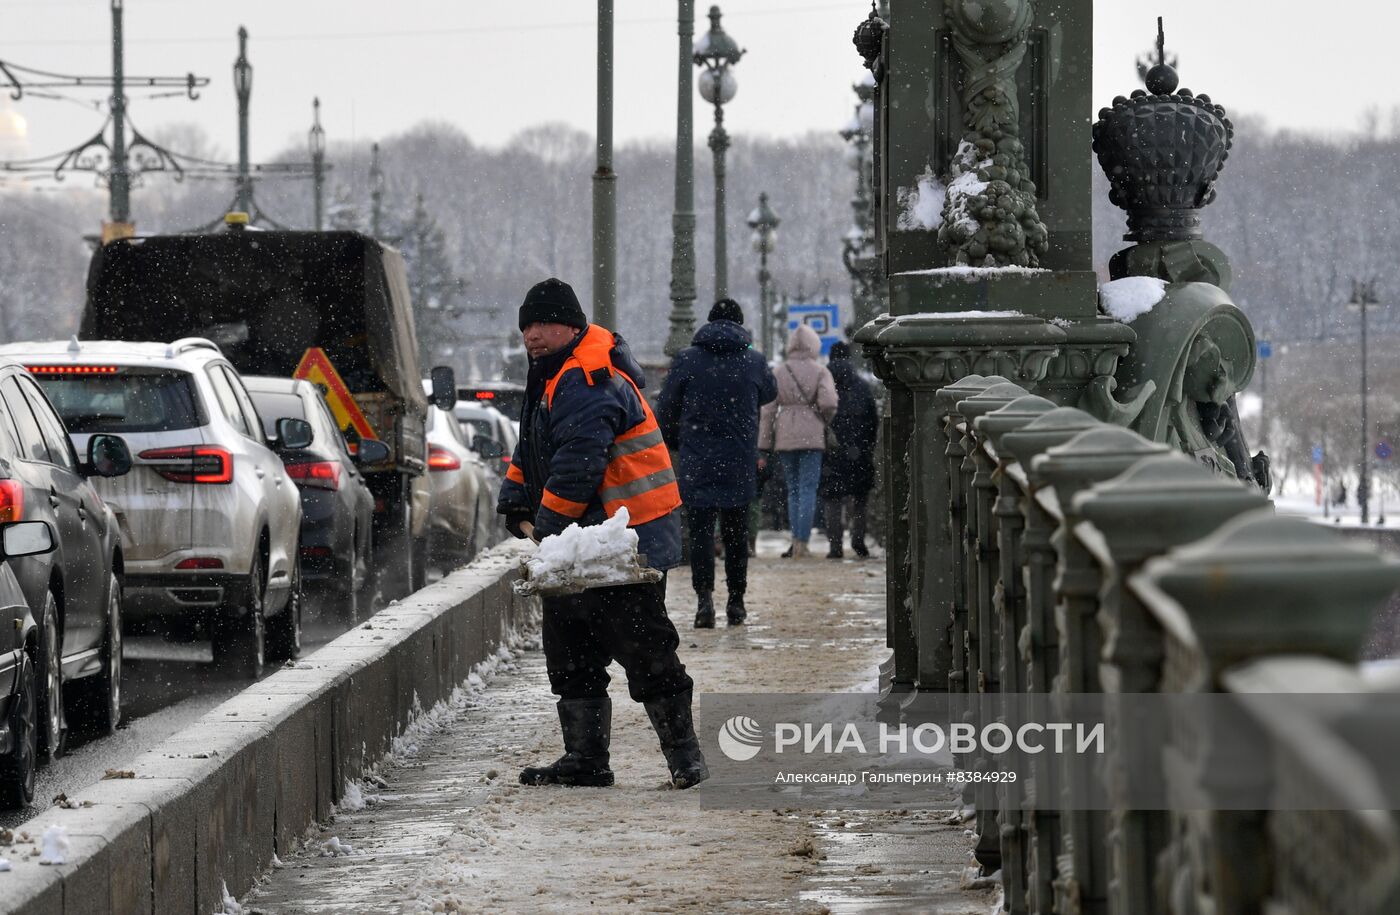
[73,590]
[20,654]
[337,507]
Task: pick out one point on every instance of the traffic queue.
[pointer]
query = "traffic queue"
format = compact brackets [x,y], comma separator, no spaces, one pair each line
[211,468]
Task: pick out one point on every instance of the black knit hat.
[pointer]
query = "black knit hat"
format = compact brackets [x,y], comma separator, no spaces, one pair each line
[552,302]
[727,310]
[839,351]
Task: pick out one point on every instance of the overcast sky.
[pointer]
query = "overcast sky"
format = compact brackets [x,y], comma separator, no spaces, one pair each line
[493,68]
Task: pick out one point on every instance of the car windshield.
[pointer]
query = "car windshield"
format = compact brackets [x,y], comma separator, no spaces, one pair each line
[273,406]
[126,401]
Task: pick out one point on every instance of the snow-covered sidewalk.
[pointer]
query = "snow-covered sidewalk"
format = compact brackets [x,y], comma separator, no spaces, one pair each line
[445,827]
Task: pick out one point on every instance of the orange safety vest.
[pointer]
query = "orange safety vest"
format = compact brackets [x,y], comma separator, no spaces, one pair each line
[639,473]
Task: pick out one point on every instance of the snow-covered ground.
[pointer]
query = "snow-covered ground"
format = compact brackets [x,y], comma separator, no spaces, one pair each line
[452,830]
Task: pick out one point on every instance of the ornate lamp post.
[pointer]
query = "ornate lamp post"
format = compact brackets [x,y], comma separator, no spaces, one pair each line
[717,52]
[764,223]
[1363,297]
[317,143]
[858,247]
[376,190]
[243,87]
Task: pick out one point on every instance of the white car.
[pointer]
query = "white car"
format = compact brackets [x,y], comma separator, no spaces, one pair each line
[209,518]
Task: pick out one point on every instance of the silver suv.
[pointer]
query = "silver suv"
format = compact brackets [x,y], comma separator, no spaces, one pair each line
[209,518]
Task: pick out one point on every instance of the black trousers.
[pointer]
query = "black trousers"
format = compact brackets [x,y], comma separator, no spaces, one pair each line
[584,633]
[734,532]
[833,519]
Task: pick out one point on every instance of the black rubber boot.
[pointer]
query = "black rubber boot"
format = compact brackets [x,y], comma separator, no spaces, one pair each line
[734,610]
[704,610]
[587,727]
[671,719]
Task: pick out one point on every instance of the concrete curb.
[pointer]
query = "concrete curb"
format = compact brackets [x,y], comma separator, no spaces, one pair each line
[212,804]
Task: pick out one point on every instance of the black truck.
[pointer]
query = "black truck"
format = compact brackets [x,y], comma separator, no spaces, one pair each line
[277,301]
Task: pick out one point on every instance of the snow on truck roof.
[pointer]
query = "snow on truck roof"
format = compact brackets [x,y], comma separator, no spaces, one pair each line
[119,351]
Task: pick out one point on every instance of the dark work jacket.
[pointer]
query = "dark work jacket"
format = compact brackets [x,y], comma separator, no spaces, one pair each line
[564,448]
[849,470]
[708,409]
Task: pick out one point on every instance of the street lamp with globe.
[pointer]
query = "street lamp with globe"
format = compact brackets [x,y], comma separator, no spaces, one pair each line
[764,223]
[717,52]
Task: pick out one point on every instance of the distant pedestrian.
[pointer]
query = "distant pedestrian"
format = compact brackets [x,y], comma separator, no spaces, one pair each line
[708,411]
[848,469]
[795,427]
[589,447]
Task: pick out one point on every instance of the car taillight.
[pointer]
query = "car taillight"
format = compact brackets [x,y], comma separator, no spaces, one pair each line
[191,463]
[11,501]
[440,459]
[316,474]
[200,562]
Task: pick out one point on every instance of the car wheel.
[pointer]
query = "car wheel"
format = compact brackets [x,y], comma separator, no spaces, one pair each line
[419,564]
[98,704]
[53,727]
[284,629]
[18,766]
[349,596]
[397,559]
[240,643]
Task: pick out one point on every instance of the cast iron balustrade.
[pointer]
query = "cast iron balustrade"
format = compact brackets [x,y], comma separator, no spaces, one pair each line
[1079,557]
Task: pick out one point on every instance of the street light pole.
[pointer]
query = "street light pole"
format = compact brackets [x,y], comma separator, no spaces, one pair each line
[682,315]
[1363,296]
[605,182]
[318,165]
[243,86]
[119,206]
[764,223]
[376,190]
[717,52]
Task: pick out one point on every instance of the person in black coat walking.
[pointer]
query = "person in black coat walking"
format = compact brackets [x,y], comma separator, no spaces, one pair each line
[708,411]
[848,471]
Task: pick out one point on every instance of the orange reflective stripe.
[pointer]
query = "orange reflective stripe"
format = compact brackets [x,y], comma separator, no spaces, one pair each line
[639,474]
[563,506]
[514,474]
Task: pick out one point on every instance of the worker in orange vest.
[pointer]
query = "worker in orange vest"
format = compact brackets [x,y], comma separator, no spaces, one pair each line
[589,446]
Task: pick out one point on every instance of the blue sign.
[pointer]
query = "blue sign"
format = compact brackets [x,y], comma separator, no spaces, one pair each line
[824,318]
[1383,451]
[1266,349]
[1317,454]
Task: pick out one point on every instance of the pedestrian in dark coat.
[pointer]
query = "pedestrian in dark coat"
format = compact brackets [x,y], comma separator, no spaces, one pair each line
[708,411]
[848,470]
[590,447]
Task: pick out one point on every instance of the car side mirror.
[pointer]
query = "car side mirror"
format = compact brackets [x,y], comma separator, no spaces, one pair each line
[444,387]
[107,456]
[293,434]
[26,538]
[371,451]
[488,448]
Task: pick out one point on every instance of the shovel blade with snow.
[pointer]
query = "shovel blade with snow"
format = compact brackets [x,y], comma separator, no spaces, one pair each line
[582,559]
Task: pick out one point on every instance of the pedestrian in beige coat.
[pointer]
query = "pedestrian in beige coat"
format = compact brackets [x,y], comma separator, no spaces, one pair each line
[794,426]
